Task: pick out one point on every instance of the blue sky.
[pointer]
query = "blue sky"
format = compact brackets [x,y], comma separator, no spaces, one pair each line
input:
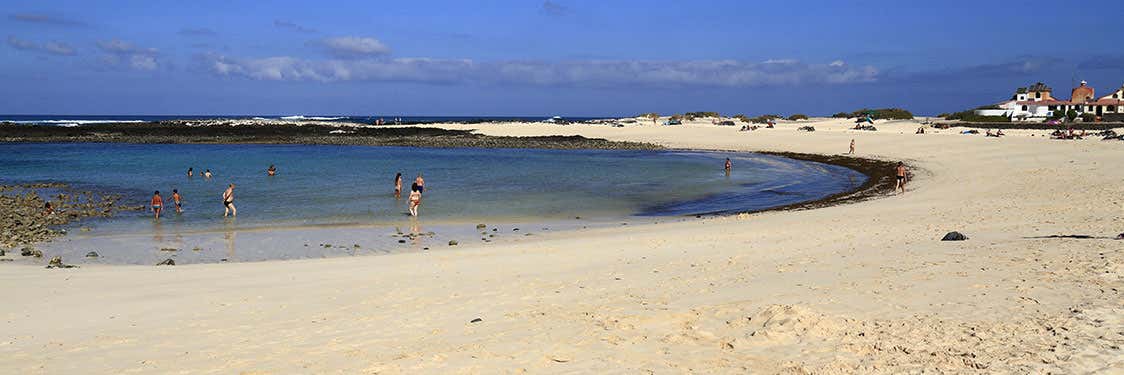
[577,58]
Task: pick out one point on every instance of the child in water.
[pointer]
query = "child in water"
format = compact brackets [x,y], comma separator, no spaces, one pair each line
[415,199]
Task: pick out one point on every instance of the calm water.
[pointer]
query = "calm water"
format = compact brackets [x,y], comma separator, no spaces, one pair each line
[326,185]
[74,120]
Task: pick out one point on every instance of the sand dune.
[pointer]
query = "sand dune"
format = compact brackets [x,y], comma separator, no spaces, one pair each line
[856,288]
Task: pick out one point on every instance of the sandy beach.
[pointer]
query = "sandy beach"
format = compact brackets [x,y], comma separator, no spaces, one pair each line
[863,287]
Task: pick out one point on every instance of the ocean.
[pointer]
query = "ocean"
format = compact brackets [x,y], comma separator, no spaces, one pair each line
[321,185]
[75,120]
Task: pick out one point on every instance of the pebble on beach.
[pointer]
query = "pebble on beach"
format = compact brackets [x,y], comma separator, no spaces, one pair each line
[452,243]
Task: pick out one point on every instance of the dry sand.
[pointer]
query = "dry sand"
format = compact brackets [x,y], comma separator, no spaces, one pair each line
[856,288]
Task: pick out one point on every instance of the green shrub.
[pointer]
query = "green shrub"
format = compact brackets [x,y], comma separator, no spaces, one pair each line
[651,115]
[841,115]
[1088,117]
[971,116]
[883,114]
[742,118]
[764,119]
[798,116]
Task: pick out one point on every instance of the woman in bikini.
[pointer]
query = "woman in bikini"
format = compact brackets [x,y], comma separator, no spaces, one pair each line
[415,199]
[157,204]
[398,186]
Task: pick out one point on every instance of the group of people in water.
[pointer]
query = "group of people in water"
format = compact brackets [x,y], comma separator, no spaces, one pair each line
[157,202]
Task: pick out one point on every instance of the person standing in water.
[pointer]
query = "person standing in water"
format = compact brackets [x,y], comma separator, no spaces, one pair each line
[398,186]
[901,173]
[419,184]
[190,171]
[415,199]
[157,204]
[729,166]
[271,171]
[852,151]
[207,174]
[228,202]
[176,200]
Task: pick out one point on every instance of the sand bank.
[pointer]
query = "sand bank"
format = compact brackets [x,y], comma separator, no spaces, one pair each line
[862,287]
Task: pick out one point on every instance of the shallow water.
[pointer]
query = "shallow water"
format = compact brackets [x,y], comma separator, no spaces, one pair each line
[353,185]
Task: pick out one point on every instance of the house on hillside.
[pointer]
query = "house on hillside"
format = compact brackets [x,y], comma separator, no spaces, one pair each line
[1036,102]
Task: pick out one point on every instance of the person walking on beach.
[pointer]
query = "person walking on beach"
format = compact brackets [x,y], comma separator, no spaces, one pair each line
[852,151]
[271,171]
[176,200]
[228,202]
[398,186]
[157,204]
[415,199]
[190,171]
[419,184]
[901,173]
[729,166]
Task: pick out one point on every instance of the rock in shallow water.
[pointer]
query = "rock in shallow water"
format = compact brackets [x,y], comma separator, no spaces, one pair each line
[452,243]
[92,254]
[167,262]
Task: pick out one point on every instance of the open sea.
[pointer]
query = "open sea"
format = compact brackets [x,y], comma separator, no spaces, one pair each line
[75,120]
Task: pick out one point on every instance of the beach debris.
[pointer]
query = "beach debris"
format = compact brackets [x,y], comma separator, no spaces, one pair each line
[169,249]
[806,128]
[56,262]
[29,252]
[92,254]
[401,241]
[477,320]
[167,262]
[453,242]
[954,236]
[480,226]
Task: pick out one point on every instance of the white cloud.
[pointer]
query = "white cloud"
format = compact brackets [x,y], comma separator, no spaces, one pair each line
[54,48]
[593,73]
[353,47]
[121,53]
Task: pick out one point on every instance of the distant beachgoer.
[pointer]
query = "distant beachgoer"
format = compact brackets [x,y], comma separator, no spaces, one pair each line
[190,171]
[207,174]
[901,173]
[48,208]
[398,185]
[228,202]
[729,166]
[271,171]
[157,204]
[420,182]
[415,199]
[852,151]
[177,200]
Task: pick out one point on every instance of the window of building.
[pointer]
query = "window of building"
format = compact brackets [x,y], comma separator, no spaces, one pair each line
[1024,107]
[1038,95]
[1051,108]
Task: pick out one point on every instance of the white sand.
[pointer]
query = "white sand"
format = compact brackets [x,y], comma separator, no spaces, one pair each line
[856,288]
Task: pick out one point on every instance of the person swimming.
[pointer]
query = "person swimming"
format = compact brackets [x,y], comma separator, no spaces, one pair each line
[190,171]
[157,204]
[398,185]
[271,171]
[228,202]
[176,200]
[207,174]
[415,199]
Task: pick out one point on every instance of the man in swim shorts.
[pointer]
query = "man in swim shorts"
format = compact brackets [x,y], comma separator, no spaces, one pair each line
[228,202]
[419,183]
[157,204]
[901,173]
[729,166]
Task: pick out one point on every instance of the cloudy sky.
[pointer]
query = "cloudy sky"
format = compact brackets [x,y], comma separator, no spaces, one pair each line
[565,57]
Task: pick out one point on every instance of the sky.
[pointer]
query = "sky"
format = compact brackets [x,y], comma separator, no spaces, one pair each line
[541,58]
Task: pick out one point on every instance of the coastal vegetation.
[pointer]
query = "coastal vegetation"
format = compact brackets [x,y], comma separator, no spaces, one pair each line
[181,131]
[882,114]
[971,116]
[798,116]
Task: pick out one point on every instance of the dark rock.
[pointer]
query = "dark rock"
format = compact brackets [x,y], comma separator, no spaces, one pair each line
[169,249]
[92,254]
[515,229]
[495,229]
[452,243]
[3,253]
[480,226]
[477,320]
[401,241]
[954,236]
[56,262]
[167,262]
